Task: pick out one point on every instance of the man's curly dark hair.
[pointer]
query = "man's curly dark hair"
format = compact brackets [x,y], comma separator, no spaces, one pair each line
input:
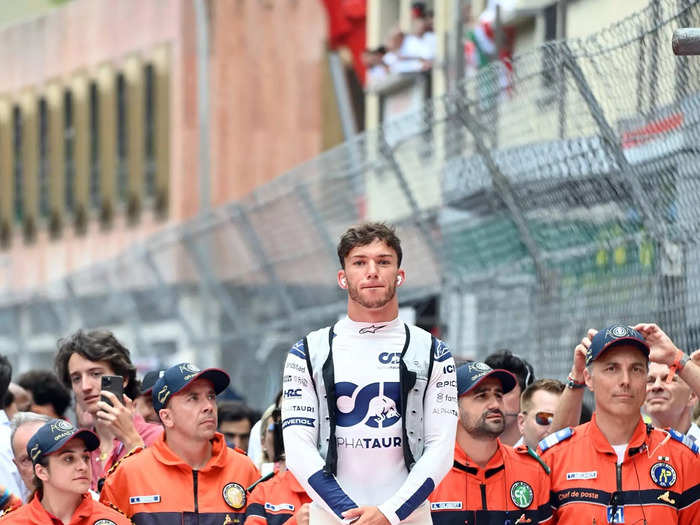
[46,389]
[97,345]
[506,360]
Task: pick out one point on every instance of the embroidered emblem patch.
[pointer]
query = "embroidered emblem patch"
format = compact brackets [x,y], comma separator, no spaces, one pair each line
[234,496]
[104,522]
[619,331]
[663,474]
[521,494]
[666,497]
[62,424]
[163,394]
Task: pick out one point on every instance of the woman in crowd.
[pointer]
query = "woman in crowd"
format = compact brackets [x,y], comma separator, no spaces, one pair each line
[60,454]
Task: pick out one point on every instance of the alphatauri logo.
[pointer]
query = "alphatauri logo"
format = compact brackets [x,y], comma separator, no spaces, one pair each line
[376,405]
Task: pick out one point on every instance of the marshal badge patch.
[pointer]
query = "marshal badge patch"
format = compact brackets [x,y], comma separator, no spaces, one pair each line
[619,331]
[62,424]
[104,522]
[521,494]
[663,474]
[234,496]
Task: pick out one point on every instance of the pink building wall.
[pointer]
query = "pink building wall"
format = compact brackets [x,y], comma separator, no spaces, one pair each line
[266,66]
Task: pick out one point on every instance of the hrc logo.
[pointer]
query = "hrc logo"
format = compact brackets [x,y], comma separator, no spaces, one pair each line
[292,392]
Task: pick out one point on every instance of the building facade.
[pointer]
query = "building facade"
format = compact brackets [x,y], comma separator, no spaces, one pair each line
[100,130]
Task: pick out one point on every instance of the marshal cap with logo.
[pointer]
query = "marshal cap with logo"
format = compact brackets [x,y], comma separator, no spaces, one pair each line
[614,335]
[149,380]
[471,374]
[53,435]
[180,376]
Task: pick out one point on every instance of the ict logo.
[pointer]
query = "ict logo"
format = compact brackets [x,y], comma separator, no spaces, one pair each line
[376,405]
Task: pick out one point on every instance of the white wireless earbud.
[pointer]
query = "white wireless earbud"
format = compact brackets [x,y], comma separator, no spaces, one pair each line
[398,279]
[343,281]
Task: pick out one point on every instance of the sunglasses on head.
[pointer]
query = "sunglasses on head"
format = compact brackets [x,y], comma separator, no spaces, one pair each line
[543,418]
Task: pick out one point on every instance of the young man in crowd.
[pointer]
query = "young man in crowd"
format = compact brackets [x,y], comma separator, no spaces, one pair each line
[524,373]
[489,481]
[47,394]
[537,406]
[188,473]
[369,409]
[616,469]
[143,404]
[235,423]
[81,361]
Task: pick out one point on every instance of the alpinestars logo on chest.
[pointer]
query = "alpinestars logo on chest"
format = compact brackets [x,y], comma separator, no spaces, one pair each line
[371,329]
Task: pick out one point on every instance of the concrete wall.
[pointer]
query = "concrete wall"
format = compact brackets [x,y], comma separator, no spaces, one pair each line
[267,73]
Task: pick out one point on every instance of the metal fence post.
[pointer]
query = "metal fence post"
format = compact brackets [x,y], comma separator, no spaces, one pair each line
[241,220]
[611,142]
[317,221]
[209,282]
[72,299]
[187,327]
[613,147]
[386,151]
[503,189]
[132,312]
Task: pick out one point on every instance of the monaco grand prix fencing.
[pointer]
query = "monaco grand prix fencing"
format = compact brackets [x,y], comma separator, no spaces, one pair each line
[532,202]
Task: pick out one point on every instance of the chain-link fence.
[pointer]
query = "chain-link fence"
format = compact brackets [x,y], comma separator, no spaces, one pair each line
[532,203]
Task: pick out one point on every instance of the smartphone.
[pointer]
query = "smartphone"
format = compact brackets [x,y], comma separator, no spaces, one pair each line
[114,384]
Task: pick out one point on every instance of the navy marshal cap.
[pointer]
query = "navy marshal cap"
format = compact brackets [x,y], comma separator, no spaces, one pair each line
[53,435]
[181,375]
[614,335]
[149,380]
[471,374]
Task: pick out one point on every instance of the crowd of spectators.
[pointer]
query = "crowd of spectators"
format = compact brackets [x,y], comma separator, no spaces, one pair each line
[402,52]
[42,396]
[175,443]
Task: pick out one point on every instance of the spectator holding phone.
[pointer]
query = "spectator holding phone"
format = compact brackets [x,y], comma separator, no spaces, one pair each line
[82,359]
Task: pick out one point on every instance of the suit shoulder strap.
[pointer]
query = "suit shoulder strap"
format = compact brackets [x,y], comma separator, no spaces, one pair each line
[556,438]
